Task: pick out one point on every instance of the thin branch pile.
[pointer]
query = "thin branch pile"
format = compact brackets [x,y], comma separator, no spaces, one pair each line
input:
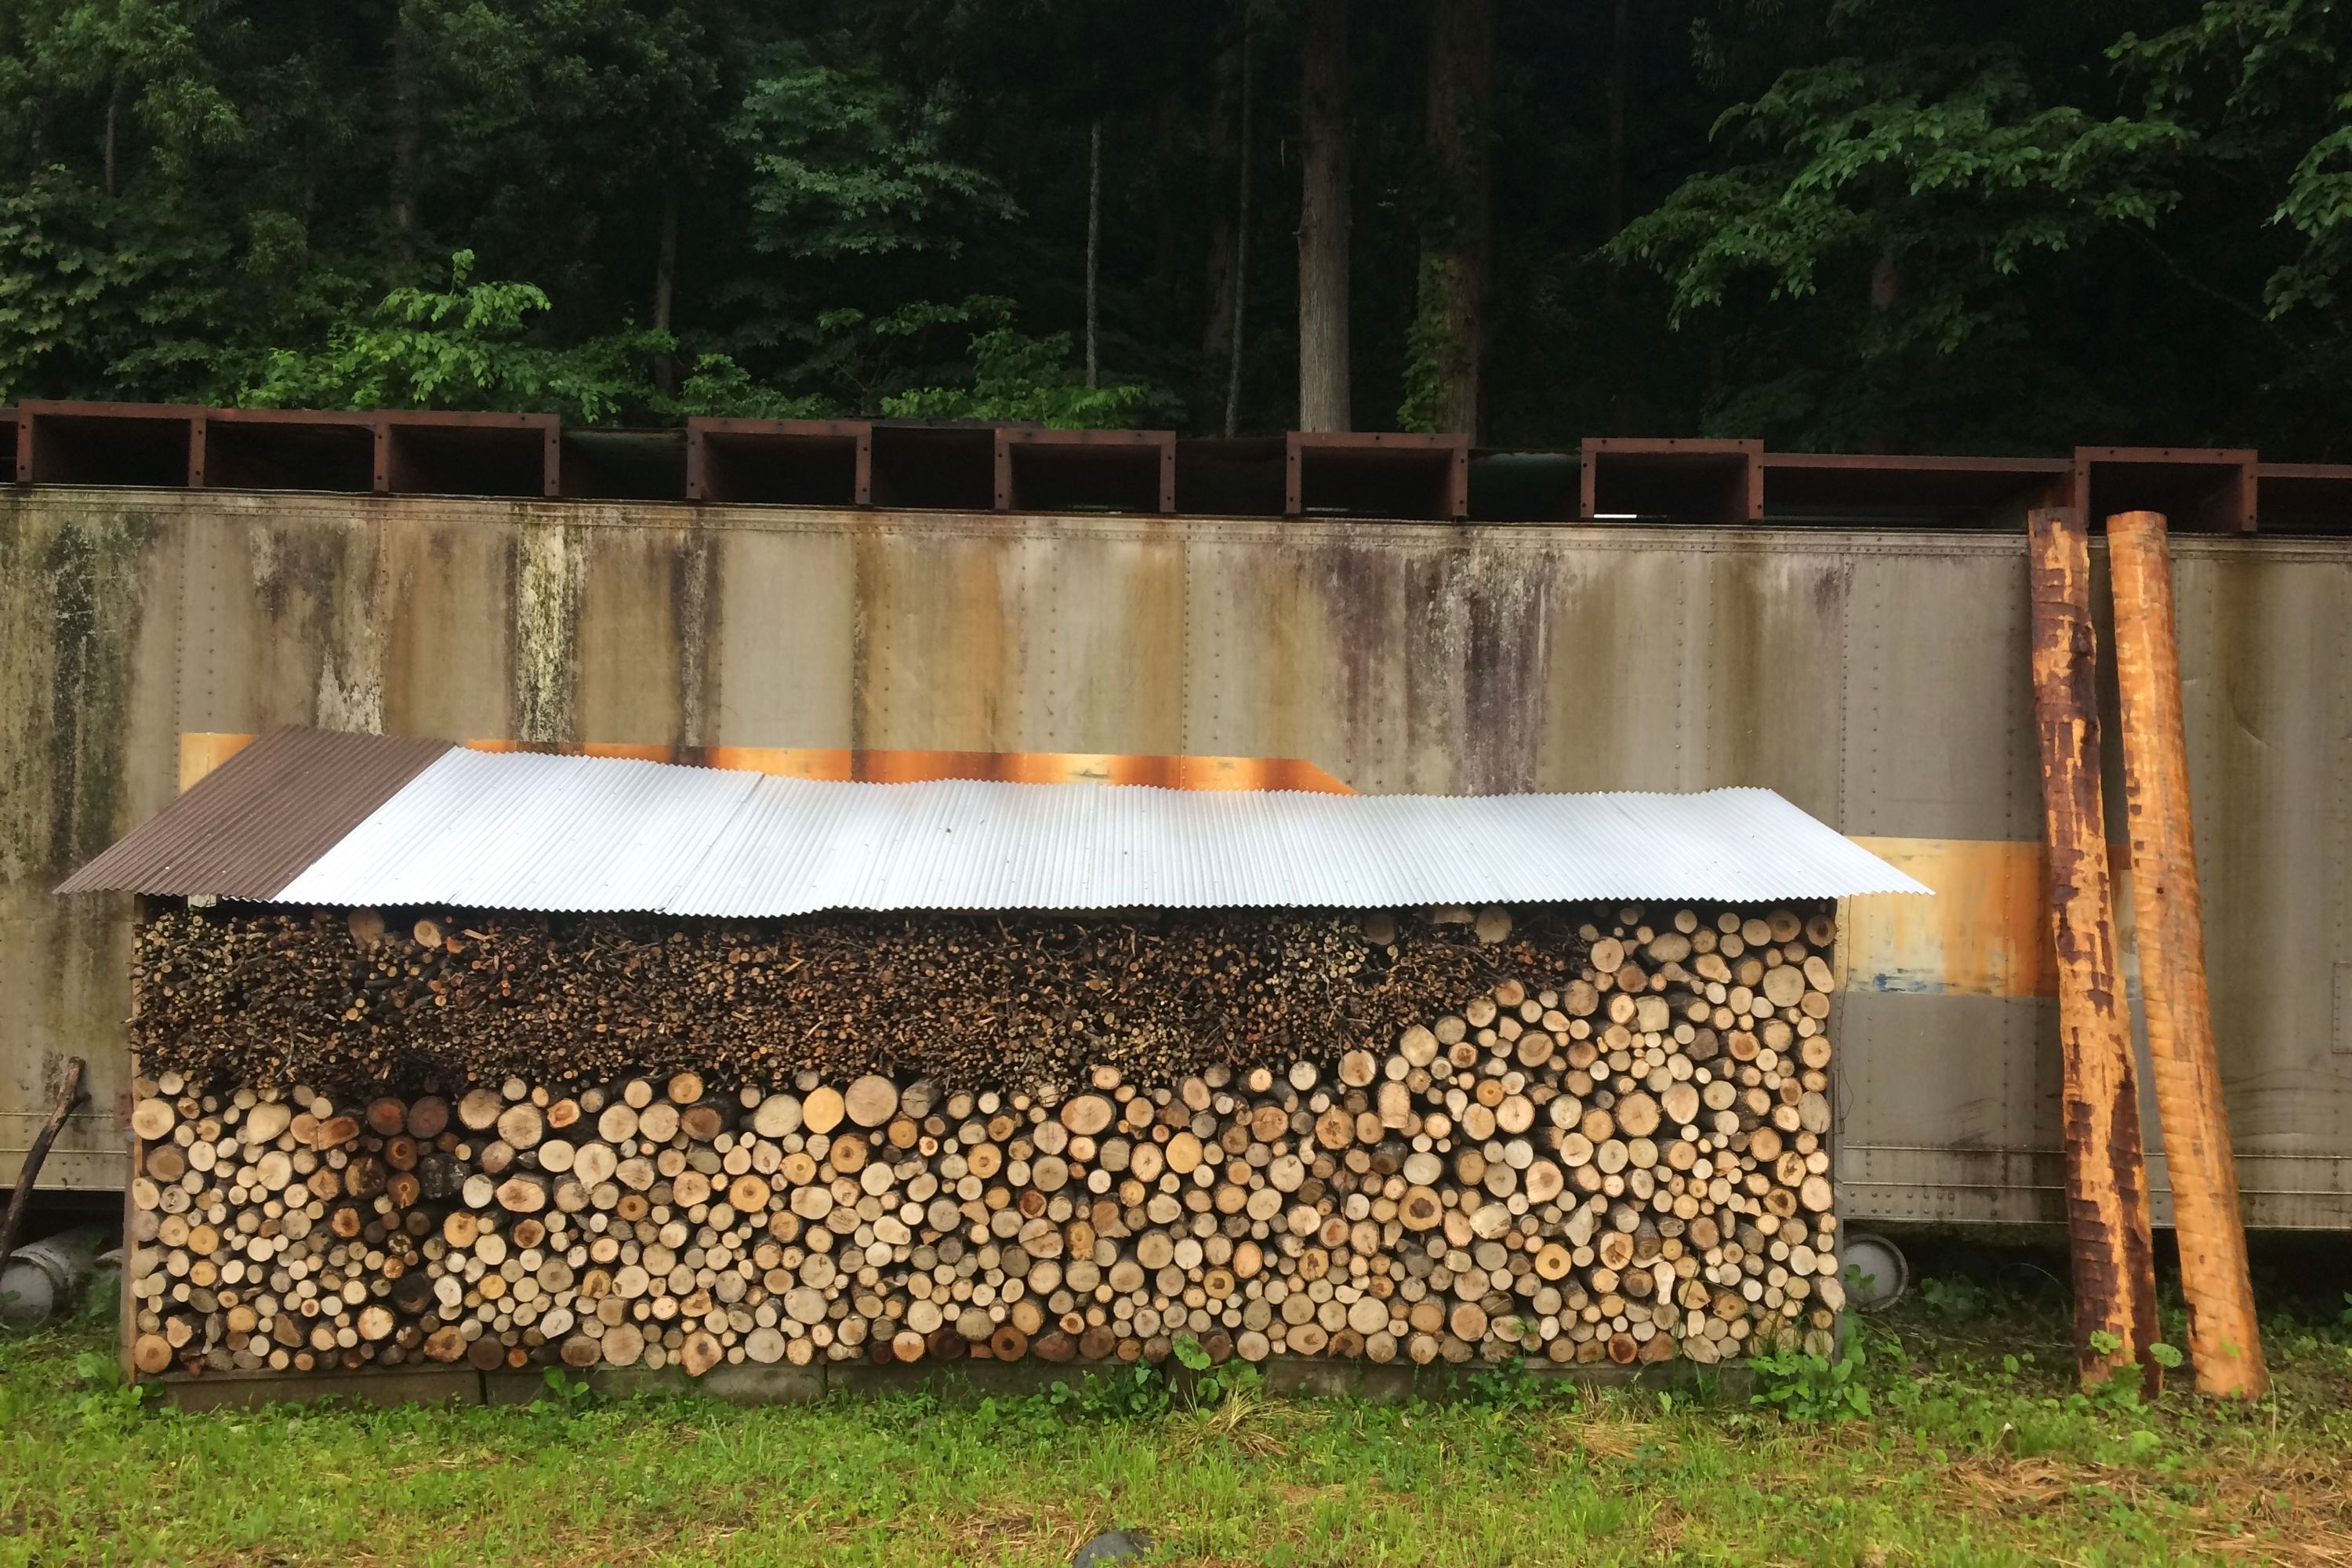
[344,1002]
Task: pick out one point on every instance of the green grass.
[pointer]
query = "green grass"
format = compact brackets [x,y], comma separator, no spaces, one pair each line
[1975,1450]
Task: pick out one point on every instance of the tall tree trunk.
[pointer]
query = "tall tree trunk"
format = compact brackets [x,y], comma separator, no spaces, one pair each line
[113,126]
[1455,246]
[1241,243]
[408,145]
[1620,91]
[1220,142]
[1094,253]
[1323,370]
[1167,116]
[666,291]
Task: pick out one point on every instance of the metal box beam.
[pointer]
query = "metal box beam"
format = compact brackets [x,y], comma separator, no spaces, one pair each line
[1385,474]
[1084,471]
[1719,483]
[790,462]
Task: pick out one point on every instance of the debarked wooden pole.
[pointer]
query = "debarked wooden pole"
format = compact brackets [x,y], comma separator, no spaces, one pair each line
[2106,1174]
[2206,1216]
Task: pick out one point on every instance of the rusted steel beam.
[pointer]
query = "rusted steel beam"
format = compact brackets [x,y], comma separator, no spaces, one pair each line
[1715,483]
[2106,1170]
[1376,474]
[1843,489]
[431,453]
[1038,470]
[2222,1333]
[2210,489]
[160,445]
[797,462]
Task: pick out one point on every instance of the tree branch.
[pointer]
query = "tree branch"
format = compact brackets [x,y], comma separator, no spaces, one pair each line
[2197,285]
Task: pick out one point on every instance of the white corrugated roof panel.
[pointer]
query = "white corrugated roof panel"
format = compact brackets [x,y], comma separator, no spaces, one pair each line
[508,830]
[522,831]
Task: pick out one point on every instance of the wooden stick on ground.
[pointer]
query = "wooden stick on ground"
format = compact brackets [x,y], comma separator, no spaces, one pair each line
[69,1094]
[2107,1171]
[2222,1336]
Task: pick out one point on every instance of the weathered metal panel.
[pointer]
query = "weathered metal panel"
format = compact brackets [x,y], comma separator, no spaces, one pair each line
[1879,680]
[1950,1106]
[1938,684]
[1954,1113]
[2267,692]
[88,625]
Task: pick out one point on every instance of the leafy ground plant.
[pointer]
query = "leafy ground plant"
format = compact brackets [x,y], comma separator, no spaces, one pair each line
[1973,1446]
[1807,1387]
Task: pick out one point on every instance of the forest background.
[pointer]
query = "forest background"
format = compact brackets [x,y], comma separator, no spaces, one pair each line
[1950,226]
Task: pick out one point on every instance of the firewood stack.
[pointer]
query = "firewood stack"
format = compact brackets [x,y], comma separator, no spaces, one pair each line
[346,1000]
[1624,1162]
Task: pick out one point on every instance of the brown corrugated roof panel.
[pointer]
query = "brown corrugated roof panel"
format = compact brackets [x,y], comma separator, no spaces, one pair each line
[253,824]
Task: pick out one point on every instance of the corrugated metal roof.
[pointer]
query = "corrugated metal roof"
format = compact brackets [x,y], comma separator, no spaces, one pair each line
[246,828]
[523,831]
[313,818]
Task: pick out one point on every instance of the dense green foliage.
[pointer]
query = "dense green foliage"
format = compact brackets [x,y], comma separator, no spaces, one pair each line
[1847,224]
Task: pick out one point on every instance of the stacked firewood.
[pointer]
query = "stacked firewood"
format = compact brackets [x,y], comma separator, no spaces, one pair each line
[343,1000]
[1626,1163]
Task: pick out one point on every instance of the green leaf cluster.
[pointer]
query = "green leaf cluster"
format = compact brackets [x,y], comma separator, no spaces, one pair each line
[1939,224]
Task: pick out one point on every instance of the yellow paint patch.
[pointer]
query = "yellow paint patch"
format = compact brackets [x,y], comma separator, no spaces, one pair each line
[1985,934]
[201,753]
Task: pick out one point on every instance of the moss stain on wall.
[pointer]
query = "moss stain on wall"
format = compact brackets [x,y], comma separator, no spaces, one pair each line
[69,607]
[550,568]
[326,588]
[694,613]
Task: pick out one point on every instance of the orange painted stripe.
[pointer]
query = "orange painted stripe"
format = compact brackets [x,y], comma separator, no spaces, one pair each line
[201,752]
[838,765]
[1985,934]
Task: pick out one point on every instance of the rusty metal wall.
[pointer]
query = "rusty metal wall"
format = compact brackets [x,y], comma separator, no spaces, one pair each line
[1880,680]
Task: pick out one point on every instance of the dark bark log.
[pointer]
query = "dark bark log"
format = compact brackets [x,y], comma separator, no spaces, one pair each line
[2106,1176]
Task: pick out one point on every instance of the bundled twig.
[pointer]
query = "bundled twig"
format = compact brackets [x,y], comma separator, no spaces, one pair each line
[340,1001]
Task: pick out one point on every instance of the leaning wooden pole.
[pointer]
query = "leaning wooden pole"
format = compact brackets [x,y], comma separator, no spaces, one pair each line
[2107,1171]
[2222,1335]
[20,1202]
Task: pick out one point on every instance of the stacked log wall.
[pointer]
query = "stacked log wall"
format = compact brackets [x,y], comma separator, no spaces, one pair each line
[1607,1140]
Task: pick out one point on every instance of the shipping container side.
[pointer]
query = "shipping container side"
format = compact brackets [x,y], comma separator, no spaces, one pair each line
[1879,679]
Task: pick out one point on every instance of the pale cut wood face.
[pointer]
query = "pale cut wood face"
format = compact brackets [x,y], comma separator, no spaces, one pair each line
[1623,1159]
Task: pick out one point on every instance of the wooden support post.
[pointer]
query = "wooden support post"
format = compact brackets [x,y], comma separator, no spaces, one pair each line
[2206,1216]
[69,1094]
[2107,1171]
